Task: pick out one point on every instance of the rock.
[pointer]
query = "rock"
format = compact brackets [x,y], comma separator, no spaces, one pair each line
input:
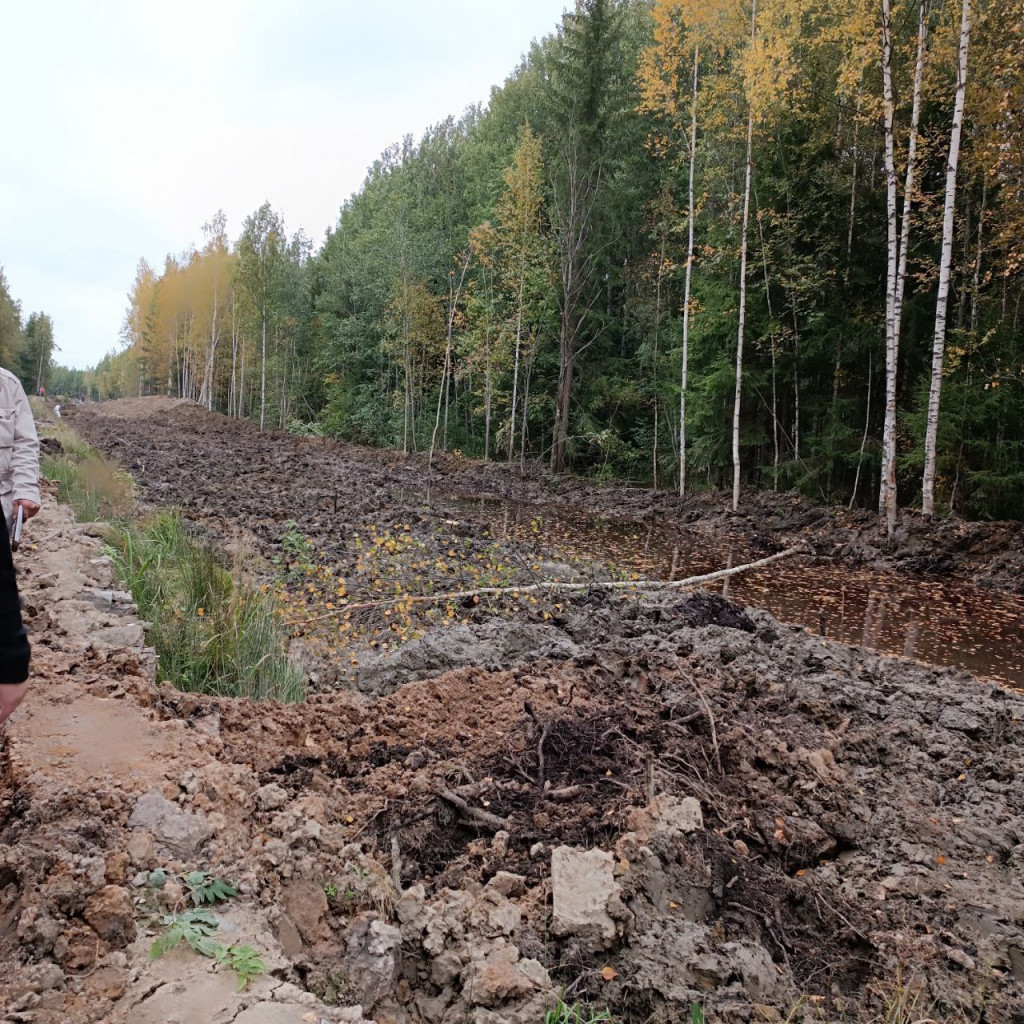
[273,1013]
[960,721]
[271,797]
[116,868]
[38,929]
[49,976]
[667,815]
[142,851]
[176,833]
[288,936]
[445,968]
[371,957]
[111,915]
[583,891]
[305,904]
[501,975]
[507,884]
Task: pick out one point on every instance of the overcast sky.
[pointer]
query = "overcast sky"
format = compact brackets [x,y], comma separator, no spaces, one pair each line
[127,125]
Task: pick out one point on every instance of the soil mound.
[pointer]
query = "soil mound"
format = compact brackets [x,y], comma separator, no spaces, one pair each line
[332,473]
[677,814]
[141,408]
[634,802]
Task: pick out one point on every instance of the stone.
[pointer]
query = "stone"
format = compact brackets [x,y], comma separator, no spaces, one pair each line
[583,887]
[142,850]
[271,797]
[176,832]
[288,936]
[116,867]
[305,904]
[272,1013]
[502,975]
[667,815]
[38,929]
[372,950]
[110,914]
[504,917]
[507,884]
[445,968]
[960,721]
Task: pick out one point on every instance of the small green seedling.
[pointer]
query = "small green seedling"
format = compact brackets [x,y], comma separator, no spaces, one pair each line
[195,927]
[243,960]
[203,887]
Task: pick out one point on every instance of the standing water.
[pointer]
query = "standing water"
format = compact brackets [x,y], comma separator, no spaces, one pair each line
[940,621]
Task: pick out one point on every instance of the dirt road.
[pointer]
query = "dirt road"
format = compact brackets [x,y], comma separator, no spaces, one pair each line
[643,803]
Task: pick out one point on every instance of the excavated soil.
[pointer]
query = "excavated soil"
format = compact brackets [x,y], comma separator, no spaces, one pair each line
[643,801]
[178,448]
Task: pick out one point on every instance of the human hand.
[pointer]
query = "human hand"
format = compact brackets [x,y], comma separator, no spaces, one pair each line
[29,508]
[11,695]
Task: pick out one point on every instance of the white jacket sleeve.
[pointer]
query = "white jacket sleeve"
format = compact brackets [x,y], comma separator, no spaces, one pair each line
[25,453]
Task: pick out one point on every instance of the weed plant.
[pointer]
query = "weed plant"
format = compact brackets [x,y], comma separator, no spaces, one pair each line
[93,488]
[211,634]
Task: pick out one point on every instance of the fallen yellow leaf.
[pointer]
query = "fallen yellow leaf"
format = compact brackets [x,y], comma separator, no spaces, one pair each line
[609,973]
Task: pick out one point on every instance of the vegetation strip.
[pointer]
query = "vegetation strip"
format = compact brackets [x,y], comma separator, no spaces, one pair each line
[212,633]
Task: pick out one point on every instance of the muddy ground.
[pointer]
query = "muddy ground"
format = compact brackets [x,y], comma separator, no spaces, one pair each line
[642,801]
[179,451]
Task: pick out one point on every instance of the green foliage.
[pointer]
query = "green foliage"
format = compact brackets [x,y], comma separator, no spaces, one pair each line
[94,489]
[194,927]
[299,552]
[576,1013]
[570,149]
[198,929]
[203,887]
[212,634]
[245,961]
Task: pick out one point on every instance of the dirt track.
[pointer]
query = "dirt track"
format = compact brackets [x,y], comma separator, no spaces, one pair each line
[779,816]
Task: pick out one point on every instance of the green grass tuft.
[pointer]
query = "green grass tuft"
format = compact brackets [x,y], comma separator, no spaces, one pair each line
[212,635]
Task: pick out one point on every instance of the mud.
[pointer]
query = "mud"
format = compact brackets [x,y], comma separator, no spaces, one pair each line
[644,801]
[185,452]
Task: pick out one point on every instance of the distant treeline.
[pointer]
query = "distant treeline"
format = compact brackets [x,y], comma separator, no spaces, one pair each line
[688,242]
[27,347]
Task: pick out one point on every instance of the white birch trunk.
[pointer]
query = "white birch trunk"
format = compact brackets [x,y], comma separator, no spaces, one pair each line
[887,490]
[743,290]
[894,322]
[687,279]
[939,347]
[263,368]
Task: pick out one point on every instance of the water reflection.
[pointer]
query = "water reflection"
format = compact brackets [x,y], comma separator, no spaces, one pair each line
[938,621]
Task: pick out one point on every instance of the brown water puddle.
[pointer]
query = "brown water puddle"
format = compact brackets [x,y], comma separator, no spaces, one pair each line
[938,621]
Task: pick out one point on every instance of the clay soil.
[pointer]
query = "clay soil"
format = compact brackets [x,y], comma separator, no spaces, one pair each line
[761,823]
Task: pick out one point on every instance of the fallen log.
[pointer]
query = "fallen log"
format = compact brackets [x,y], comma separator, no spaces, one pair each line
[556,586]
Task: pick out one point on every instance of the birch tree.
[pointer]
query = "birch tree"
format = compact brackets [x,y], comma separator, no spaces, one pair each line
[260,250]
[945,263]
[743,280]
[520,245]
[898,242]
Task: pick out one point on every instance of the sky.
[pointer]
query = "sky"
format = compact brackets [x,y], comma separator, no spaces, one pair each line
[127,125]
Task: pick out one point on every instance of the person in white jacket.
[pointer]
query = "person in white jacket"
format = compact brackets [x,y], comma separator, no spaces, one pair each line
[19,489]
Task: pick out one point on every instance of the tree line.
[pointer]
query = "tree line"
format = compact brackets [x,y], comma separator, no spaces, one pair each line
[27,347]
[689,243]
